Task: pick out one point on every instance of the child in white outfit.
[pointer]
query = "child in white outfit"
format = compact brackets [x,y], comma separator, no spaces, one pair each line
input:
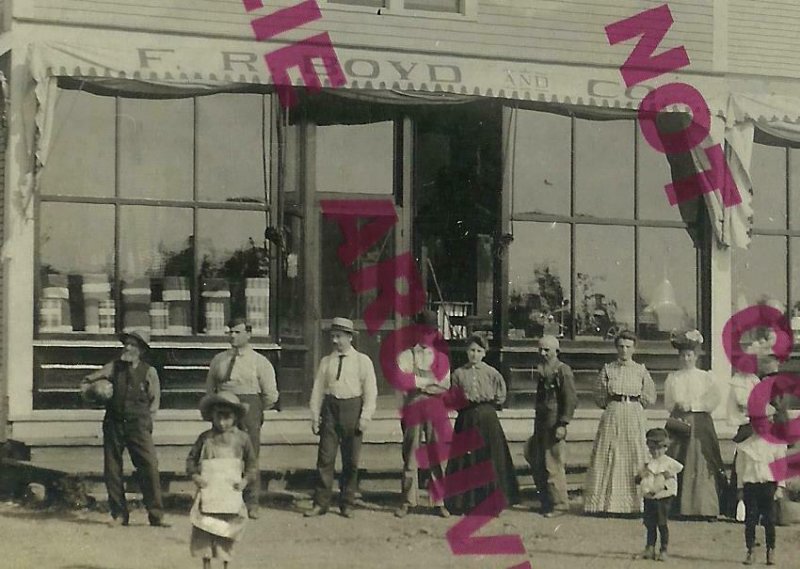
[658,482]
[221,463]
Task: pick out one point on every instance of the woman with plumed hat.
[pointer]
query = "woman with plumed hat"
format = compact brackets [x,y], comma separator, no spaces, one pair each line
[690,395]
[485,390]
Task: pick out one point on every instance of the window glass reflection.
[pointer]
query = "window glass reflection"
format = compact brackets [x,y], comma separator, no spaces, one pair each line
[156,268]
[667,298]
[76,251]
[603,280]
[355,158]
[338,298]
[542,155]
[759,272]
[604,168]
[653,173]
[156,141]
[234,270]
[768,174]
[81,157]
[539,280]
[230,148]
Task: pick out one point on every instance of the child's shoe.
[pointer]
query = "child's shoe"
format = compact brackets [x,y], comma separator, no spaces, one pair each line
[662,555]
[648,553]
[749,559]
[770,557]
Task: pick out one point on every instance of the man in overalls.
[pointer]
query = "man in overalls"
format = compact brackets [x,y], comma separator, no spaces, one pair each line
[556,400]
[128,423]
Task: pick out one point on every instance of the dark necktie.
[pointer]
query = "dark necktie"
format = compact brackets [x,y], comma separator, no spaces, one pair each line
[339,369]
[227,377]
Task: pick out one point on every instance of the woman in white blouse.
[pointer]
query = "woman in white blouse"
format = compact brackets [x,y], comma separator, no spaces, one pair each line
[690,395]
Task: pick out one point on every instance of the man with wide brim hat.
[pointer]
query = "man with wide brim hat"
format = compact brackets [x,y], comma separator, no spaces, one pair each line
[140,335]
[224,399]
[133,400]
[342,404]
[420,360]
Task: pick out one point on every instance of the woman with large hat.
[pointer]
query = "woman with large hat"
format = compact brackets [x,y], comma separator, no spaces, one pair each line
[132,399]
[690,395]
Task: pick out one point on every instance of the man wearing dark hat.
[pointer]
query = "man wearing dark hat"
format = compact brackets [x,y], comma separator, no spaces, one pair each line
[128,423]
[251,377]
[342,404]
[419,361]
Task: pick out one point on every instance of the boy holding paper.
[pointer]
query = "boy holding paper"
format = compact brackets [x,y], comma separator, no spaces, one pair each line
[222,463]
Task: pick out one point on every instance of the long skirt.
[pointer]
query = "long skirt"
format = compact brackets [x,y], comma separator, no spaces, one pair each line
[483,417]
[618,453]
[702,478]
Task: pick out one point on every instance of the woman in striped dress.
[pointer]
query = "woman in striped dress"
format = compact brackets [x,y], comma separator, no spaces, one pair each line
[624,388]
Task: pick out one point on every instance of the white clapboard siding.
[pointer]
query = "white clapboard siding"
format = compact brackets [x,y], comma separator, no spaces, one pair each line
[763,38]
[559,31]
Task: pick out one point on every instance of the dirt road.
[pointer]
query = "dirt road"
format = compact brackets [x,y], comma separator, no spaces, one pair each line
[375,538]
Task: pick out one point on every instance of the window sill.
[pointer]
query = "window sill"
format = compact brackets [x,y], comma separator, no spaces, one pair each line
[172,342]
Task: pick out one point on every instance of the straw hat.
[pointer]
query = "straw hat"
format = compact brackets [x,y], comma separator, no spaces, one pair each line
[340,324]
[224,398]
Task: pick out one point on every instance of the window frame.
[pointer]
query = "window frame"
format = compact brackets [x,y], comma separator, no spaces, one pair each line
[195,204]
[787,232]
[468,11]
[573,220]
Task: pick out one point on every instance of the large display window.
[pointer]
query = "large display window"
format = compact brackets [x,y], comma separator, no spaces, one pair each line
[152,214]
[595,245]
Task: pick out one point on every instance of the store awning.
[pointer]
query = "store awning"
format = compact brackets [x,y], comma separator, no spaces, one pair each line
[243,63]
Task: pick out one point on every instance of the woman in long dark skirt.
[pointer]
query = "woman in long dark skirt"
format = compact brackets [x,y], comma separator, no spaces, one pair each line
[690,394]
[484,388]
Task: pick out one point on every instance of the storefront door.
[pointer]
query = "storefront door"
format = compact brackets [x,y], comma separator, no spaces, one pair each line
[347,162]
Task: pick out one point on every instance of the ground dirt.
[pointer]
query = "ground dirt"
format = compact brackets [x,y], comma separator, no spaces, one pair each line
[282,537]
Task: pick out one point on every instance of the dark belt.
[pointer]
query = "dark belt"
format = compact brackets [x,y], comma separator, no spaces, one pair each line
[617,397]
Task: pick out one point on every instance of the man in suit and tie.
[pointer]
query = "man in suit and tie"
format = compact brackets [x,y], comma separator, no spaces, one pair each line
[342,404]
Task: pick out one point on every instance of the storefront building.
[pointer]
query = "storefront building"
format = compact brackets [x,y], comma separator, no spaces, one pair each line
[155,181]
